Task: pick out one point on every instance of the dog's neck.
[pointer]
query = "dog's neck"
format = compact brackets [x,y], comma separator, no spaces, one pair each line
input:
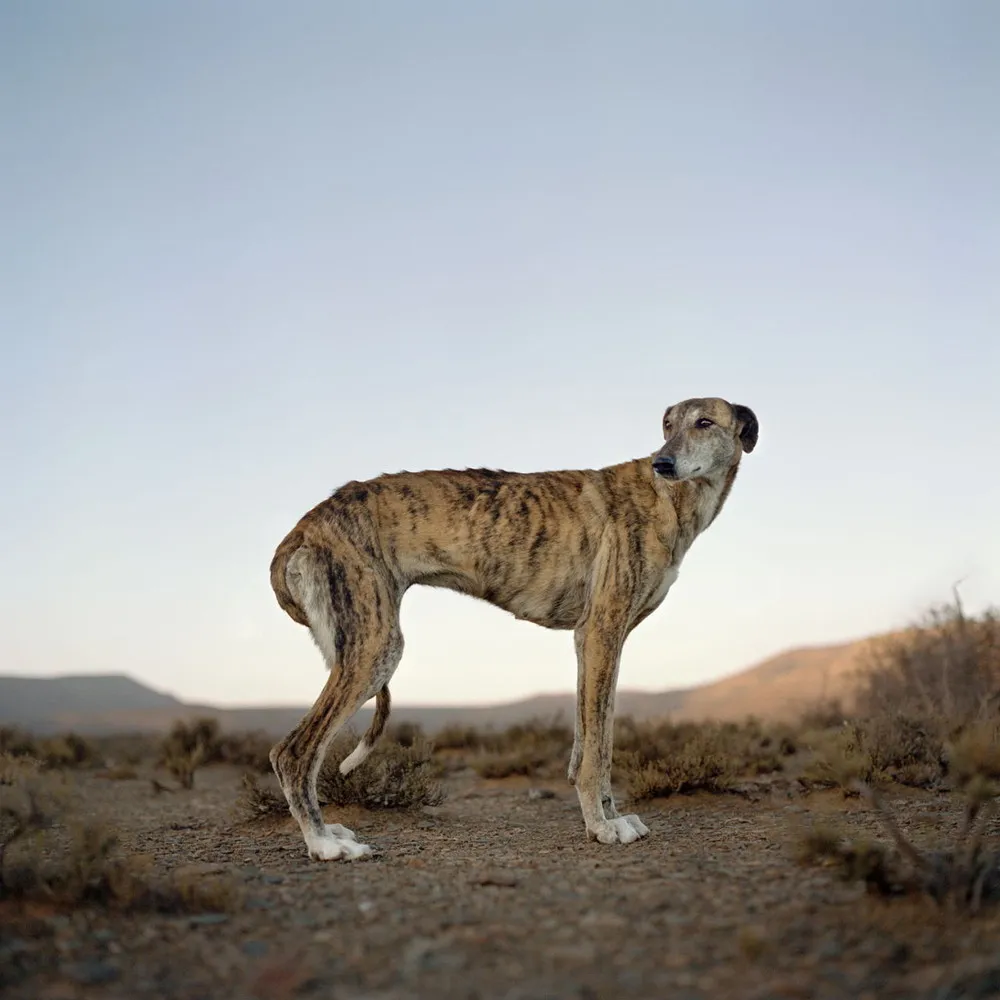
[697,502]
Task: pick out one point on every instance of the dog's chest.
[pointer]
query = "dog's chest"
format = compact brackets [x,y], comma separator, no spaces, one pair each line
[660,590]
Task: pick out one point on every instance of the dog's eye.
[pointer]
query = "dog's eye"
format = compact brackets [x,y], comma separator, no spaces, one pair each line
[703,423]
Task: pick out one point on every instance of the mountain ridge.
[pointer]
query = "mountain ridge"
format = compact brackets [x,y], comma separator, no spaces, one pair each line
[779,687]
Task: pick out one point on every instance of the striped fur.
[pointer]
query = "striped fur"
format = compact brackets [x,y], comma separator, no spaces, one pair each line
[595,551]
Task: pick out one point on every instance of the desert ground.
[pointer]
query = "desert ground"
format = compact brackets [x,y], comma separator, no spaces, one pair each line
[848,854]
[495,892]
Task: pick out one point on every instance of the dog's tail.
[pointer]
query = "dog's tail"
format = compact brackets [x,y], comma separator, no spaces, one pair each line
[279,577]
[364,748]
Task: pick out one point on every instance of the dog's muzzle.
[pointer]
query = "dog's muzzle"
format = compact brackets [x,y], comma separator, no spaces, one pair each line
[665,466]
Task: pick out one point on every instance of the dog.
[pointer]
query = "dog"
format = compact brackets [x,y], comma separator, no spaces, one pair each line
[595,551]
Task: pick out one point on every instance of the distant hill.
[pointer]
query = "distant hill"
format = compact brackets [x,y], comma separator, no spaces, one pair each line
[780,687]
[30,701]
[783,686]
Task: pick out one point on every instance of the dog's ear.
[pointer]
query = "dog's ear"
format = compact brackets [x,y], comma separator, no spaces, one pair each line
[747,421]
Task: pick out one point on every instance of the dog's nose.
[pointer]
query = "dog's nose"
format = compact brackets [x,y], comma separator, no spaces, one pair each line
[665,466]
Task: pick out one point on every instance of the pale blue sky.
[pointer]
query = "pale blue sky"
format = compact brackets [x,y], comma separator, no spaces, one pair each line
[250,251]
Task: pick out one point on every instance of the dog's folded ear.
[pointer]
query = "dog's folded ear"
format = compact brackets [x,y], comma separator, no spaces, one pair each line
[747,421]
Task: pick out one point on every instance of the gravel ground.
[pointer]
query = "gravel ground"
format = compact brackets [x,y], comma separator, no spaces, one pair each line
[496,893]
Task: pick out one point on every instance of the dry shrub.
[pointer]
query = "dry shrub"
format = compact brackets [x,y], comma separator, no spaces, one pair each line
[398,775]
[393,777]
[195,744]
[93,870]
[249,749]
[918,693]
[64,751]
[658,759]
[47,853]
[406,734]
[17,743]
[257,802]
[27,804]
[188,746]
[947,666]
[974,760]
[963,877]
[701,763]
[68,751]
[827,713]
[458,737]
[885,748]
[537,748]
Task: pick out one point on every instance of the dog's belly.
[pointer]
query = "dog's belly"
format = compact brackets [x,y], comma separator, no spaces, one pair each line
[558,606]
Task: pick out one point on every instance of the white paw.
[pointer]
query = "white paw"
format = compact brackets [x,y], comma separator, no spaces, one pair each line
[636,824]
[333,848]
[340,832]
[621,830]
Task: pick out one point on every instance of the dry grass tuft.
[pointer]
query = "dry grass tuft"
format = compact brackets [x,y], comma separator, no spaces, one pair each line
[394,777]
[948,667]
[879,750]
[820,843]
[187,747]
[27,805]
[88,867]
[537,748]
[256,802]
[702,763]
[459,737]
[668,759]
[64,751]
[962,877]
[974,759]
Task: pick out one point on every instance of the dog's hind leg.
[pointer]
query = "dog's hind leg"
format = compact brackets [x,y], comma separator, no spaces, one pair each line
[354,618]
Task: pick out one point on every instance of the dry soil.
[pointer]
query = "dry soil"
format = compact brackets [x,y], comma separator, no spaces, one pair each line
[497,893]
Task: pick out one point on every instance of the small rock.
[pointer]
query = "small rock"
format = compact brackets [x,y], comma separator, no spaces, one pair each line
[272,879]
[540,793]
[208,919]
[254,949]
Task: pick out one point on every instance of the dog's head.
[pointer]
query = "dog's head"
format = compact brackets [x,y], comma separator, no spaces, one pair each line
[703,437]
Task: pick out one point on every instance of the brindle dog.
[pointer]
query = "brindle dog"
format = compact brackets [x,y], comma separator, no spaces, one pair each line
[594,551]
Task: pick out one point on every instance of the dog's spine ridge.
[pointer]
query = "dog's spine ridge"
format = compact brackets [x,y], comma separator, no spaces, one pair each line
[360,753]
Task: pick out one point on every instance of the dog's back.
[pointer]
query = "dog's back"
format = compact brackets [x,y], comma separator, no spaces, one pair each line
[522,541]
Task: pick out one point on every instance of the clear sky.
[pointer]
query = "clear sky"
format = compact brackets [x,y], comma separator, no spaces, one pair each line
[251,251]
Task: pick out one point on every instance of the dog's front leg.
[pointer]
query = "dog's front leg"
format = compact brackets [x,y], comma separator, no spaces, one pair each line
[598,647]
